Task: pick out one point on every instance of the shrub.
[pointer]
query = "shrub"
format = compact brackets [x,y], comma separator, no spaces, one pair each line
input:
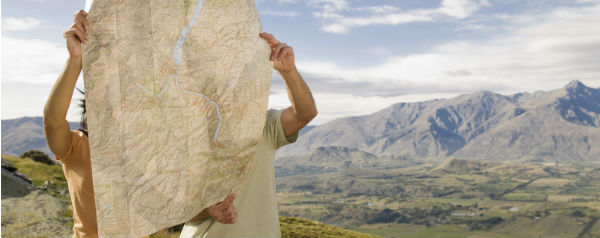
[38,156]
[385,216]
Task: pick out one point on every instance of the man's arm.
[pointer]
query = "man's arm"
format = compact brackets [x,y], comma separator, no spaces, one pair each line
[303,108]
[56,128]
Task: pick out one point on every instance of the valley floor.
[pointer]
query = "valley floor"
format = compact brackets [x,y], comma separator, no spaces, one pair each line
[457,198]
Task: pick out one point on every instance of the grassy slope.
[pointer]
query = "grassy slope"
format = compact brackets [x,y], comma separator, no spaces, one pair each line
[296,227]
[302,227]
[39,172]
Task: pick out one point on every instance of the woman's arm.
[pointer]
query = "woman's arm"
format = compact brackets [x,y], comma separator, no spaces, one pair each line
[56,128]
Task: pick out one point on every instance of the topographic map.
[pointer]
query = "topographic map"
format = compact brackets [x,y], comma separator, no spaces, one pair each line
[177,94]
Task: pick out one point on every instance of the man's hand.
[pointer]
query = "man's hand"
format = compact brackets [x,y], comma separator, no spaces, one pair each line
[282,55]
[77,34]
[224,212]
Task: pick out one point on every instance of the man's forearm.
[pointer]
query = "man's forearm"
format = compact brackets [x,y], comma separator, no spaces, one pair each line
[300,96]
[56,108]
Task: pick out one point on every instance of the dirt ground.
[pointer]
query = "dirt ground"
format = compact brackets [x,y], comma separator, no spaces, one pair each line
[30,212]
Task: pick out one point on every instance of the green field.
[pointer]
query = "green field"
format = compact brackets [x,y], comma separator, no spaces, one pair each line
[451,199]
[419,231]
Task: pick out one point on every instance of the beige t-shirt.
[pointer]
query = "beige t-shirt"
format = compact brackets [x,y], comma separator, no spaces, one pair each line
[255,203]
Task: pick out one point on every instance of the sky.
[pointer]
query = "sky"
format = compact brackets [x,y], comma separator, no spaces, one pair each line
[357,56]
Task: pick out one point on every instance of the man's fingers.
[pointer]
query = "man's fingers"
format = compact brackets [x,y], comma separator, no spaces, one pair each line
[74,32]
[225,211]
[82,12]
[284,52]
[276,50]
[80,16]
[80,35]
[232,217]
[235,217]
[80,29]
[269,38]
[228,218]
[69,32]
[229,200]
[85,22]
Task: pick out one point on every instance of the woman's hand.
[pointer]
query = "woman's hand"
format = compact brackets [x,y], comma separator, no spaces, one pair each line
[77,34]
[282,55]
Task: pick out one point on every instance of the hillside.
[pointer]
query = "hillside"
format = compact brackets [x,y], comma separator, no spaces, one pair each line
[294,227]
[560,125]
[337,156]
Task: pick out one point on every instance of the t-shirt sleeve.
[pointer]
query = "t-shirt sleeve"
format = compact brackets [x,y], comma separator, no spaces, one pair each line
[274,130]
[75,136]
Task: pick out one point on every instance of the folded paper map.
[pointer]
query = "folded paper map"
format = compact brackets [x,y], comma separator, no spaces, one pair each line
[176,94]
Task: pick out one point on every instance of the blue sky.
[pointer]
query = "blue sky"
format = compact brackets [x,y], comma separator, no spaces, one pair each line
[358,56]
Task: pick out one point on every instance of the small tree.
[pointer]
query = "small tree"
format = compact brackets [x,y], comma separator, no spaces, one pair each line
[38,156]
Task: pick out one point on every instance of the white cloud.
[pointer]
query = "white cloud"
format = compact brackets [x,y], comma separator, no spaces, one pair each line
[19,24]
[29,69]
[540,52]
[280,13]
[343,24]
[28,99]
[330,5]
[461,8]
[379,9]
[31,60]
[335,13]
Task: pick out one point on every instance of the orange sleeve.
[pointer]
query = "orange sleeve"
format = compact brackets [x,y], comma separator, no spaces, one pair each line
[74,144]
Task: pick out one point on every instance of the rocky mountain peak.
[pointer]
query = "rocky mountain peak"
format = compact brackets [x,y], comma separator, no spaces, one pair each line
[581,104]
[576,88]
[575,84]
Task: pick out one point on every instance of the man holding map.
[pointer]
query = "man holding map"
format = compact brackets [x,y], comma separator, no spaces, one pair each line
[256,204]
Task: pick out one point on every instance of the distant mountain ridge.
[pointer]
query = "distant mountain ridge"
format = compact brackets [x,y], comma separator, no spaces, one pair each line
[26,133]
[561,125]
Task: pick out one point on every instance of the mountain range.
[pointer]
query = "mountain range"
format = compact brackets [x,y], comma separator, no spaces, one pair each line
[557,125]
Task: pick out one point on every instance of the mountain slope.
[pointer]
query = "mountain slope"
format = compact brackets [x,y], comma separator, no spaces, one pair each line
[563,125]
[26,133]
